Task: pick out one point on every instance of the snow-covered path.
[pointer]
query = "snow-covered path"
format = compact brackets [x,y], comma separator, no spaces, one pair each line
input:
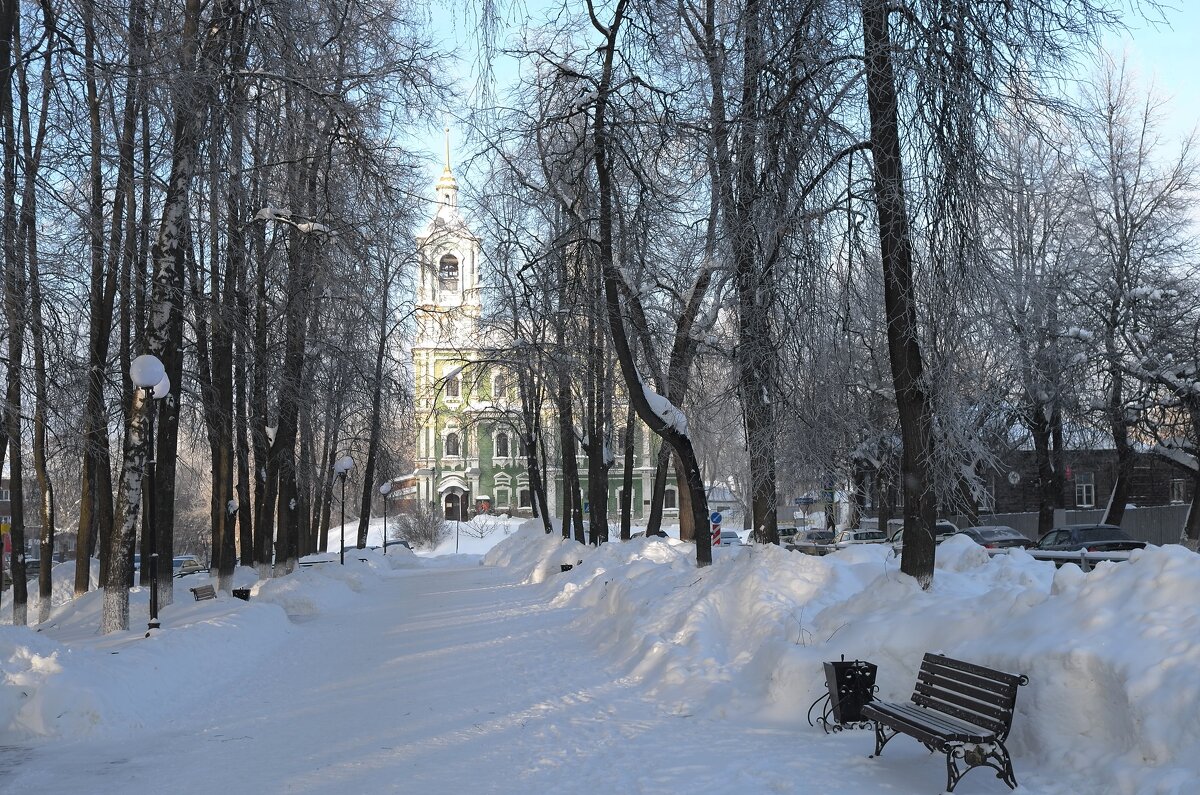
[459,680]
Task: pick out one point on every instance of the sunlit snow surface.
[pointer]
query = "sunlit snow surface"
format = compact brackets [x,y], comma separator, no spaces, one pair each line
[492,671]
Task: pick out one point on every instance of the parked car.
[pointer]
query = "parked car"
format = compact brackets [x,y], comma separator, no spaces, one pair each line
[642,534]
[859,536]
[942,529]
[996,537]
[730,538]
[183,565]
[817,541]
[1091,537]
[788,534]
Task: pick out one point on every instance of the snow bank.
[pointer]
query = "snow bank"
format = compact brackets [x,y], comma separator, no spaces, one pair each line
[1113,698]
[61,679]
[538,553]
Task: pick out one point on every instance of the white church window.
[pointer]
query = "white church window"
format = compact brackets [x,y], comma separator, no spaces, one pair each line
[502,498]
[453,447]
[500,387]
[453,388]
[502,449]
[669,502]
[448,274]
[523,497]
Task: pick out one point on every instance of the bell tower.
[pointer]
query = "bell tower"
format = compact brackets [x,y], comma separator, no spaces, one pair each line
[448,307]
[448,295]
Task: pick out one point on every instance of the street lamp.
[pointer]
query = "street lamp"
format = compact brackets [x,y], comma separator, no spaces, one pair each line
[147,372]
[385,489]
[342,468]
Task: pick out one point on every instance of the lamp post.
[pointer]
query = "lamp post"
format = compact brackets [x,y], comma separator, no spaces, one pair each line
[147,372]
[341,468]
[385,489]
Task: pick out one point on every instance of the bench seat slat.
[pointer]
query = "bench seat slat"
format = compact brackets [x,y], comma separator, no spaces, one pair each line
[975,719]
[1012,680]
[932,725]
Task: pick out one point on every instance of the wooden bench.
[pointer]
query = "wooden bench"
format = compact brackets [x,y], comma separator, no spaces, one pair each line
[202,592]
[959,708]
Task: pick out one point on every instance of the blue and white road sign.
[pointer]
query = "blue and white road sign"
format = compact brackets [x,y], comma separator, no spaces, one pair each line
[715,518]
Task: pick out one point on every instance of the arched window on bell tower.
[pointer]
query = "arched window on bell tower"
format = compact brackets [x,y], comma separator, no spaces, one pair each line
[448,274]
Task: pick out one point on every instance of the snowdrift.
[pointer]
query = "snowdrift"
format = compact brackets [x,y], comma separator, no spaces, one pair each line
[63,679]
[1113,703]
[1113,697]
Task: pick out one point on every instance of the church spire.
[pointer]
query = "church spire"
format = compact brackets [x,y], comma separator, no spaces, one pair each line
[447,186]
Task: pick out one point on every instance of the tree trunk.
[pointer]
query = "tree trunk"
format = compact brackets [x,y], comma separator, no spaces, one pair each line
[14,308]
[670,426]
[1039,429]
[114,615]
[597,432]
[376,421]
[531,447]
[896,256]
[95,506]
[282,465]
[1119,428]
[27,245]
[627,452]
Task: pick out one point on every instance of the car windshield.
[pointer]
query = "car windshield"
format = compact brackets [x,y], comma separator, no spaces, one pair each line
[1103,534]
[869,535]
[820,535]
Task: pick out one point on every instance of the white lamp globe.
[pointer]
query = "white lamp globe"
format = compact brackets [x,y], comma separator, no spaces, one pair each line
[162,388]
[386,488]
[343,465]
[146,371]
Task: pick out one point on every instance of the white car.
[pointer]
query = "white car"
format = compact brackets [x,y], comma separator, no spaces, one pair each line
[183,565]
[730,538]
[845,538]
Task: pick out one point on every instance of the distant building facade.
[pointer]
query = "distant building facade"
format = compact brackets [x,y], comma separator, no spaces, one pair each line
[468,453]
[1088,476]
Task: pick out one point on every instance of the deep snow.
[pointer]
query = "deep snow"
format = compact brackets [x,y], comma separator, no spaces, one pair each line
[634,672]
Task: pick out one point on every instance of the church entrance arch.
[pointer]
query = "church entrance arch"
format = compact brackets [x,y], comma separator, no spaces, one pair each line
[452,503]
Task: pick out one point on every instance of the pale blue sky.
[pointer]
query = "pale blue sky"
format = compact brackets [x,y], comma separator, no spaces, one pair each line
[1168,55]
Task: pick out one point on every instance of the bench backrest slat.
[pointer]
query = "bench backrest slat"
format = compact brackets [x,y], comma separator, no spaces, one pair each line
[979,695]
[999,696]
[991,674]
[978,710]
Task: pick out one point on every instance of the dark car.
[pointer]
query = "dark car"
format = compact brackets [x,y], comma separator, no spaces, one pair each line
[1091,537]
[996,537]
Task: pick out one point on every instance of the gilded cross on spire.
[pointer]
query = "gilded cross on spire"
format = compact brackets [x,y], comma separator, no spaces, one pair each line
[447,148]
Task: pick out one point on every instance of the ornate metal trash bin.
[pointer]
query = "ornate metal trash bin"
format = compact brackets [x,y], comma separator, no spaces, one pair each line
[851,684]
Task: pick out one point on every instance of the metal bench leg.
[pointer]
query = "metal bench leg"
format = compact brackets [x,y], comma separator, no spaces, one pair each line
[993,755]
[1006,772]
[954,752]
[881,738]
